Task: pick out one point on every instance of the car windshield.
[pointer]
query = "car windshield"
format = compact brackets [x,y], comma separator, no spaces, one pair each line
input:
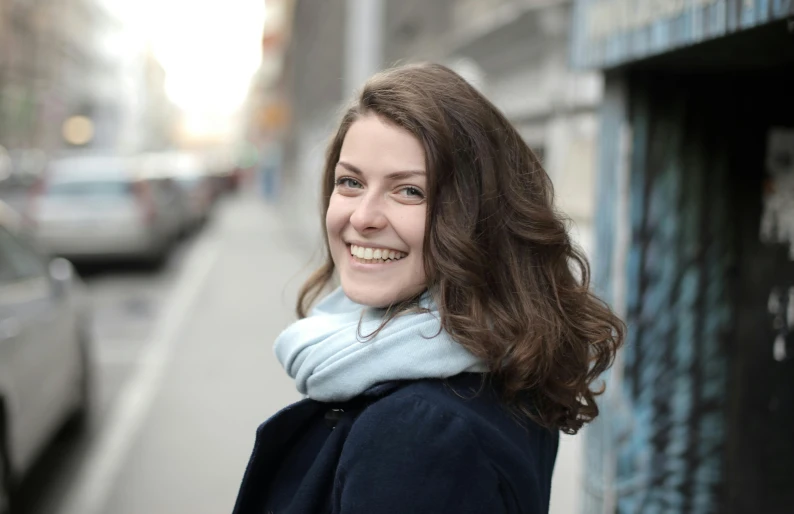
[88,188]
[188,180]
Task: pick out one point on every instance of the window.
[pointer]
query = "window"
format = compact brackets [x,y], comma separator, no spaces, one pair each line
[89,188]
[17,260]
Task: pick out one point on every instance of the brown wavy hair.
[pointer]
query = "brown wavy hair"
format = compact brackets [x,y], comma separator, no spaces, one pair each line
[510,285]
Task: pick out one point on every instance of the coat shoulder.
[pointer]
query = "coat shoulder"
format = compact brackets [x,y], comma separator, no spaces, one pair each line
[461,407]
[468,398]
[420,406]
[422,424]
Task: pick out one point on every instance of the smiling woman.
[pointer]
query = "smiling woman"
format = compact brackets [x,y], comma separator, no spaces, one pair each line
[464,336]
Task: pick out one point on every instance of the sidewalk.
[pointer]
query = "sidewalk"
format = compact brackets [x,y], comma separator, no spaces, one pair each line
[221,380]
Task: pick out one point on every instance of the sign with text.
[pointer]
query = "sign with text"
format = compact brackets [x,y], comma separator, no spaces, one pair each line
[609,33]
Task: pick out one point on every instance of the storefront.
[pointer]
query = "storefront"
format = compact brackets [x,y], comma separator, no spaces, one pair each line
[695,247]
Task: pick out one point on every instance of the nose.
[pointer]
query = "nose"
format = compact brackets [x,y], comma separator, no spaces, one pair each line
[368,216]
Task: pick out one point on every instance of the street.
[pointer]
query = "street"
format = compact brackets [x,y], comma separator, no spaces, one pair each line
[185,373]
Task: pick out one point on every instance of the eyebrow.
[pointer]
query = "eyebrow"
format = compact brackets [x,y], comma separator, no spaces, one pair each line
[397,175]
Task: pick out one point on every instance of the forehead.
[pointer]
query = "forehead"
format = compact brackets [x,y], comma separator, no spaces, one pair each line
[376,145]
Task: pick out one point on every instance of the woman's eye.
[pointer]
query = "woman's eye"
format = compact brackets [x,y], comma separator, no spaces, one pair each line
[348,182]
[412,192]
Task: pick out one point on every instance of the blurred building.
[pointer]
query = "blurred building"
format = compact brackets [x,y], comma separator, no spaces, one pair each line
[267,104]
[48,68]
[55,64]
[696,250]
[148,117]
[514,51]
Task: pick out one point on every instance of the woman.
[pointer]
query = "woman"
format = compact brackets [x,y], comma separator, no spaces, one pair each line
[464,335]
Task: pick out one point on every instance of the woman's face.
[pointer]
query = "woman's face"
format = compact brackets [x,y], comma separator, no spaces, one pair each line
[376,215]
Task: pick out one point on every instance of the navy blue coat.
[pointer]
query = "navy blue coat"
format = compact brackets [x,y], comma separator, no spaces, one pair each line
[425,446]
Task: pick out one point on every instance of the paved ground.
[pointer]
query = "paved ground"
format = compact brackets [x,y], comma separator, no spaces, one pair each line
[186,375]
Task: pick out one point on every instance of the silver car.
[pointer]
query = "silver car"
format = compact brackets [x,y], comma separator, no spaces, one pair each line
[45,357]
[102,207]
[185,172]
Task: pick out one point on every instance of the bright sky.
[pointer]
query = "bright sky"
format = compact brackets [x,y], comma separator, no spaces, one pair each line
[209,48]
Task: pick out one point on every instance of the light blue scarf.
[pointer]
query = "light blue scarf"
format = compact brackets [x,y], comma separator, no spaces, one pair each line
[330,362]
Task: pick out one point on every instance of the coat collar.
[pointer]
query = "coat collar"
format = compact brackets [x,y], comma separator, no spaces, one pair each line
[382,389]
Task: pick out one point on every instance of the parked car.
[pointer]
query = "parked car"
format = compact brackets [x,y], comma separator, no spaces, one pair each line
[101,208]
[222,169]
[197,185]
[27,164]
[19,169]
[45,352]
[195,188]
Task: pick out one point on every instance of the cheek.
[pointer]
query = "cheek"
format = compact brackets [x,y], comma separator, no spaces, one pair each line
[413,230]
[334,218]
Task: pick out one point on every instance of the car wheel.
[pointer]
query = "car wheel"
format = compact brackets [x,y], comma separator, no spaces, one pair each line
[5,478]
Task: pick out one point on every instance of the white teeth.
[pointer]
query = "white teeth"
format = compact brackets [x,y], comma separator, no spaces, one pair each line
[374,254]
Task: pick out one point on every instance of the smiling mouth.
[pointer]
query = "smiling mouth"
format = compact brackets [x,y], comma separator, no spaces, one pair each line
[368,255]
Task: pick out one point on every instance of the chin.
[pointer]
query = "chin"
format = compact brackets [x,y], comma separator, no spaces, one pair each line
[376,299]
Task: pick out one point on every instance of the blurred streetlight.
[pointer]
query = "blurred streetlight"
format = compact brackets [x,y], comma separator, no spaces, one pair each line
[78,130]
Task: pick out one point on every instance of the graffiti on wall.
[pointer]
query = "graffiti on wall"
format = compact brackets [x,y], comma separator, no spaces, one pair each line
[777,226]
[664,421]
[777,220]
[608,33]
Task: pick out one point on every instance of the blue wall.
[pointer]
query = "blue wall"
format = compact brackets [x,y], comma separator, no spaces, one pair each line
[608,33]
[658,445]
